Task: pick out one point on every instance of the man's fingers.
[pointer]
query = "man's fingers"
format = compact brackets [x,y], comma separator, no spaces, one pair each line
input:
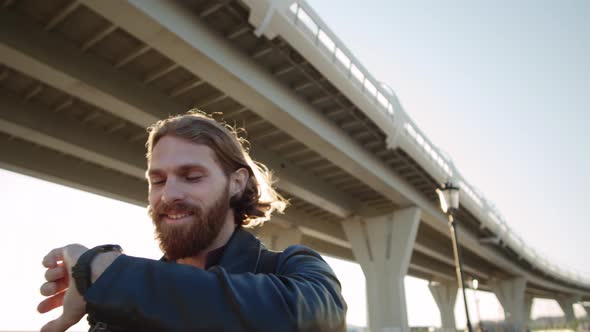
[51,303]
[55,273]
[53,287]
[58,325]
[51,259]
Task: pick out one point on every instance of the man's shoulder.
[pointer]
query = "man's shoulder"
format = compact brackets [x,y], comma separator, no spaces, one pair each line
[301,257]
[272,261]
[299,249]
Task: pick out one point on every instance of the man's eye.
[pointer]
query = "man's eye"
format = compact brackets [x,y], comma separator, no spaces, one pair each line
[194,178]
[156,181]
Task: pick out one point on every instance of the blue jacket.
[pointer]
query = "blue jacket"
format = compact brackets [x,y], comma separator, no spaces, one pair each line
[137,294]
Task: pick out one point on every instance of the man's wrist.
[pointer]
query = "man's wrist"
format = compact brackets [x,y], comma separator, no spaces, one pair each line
[101,262]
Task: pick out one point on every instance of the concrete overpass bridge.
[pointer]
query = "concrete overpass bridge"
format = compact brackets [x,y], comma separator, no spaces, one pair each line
[80,81]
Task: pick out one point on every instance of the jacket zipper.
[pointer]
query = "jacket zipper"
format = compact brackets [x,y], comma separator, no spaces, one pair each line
[100,327]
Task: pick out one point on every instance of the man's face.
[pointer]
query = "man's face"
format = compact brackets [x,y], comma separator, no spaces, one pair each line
[188,196]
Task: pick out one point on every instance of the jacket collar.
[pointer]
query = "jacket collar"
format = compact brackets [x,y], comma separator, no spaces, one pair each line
[241,253]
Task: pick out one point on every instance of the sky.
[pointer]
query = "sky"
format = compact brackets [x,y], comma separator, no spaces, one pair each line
[501,86]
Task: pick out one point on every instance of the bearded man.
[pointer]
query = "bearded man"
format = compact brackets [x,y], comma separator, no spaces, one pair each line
[214,276]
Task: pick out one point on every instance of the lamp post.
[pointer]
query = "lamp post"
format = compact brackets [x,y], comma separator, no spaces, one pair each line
[449,203]
[475,284]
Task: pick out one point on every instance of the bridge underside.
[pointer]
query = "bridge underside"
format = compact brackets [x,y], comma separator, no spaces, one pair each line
[79,84]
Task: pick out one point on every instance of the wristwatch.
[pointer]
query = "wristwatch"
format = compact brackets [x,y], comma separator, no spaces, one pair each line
[81,271]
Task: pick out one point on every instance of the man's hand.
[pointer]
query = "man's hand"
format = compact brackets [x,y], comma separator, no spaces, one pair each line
[60,292]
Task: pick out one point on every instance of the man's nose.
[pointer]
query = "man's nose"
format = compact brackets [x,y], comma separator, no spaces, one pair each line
[172,192]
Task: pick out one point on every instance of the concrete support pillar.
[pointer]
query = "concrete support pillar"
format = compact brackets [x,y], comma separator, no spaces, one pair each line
[445,295]
[567,305]
[511,295]
[383,247]
[528,307]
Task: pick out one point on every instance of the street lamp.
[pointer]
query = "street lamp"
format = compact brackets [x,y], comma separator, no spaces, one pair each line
[449,203]
[475,284]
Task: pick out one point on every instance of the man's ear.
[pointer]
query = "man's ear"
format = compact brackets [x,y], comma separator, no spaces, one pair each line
[237,182]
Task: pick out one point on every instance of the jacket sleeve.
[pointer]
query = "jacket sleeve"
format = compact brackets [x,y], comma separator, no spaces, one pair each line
[148,295]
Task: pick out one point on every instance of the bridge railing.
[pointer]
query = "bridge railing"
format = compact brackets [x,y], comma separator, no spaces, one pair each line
[304,18]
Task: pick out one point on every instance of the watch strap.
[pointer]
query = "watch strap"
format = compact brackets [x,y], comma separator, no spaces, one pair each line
[81,272]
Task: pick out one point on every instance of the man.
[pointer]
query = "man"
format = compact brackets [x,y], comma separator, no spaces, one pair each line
[214,276]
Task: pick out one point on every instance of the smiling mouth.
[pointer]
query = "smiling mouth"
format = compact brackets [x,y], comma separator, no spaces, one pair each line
[176,218]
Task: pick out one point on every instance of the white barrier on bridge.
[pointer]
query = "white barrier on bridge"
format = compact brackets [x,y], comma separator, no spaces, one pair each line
[426,153]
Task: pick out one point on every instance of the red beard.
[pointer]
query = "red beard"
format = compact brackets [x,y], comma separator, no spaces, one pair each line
[191,238]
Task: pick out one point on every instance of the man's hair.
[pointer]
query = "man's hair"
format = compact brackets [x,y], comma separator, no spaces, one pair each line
[259,199]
